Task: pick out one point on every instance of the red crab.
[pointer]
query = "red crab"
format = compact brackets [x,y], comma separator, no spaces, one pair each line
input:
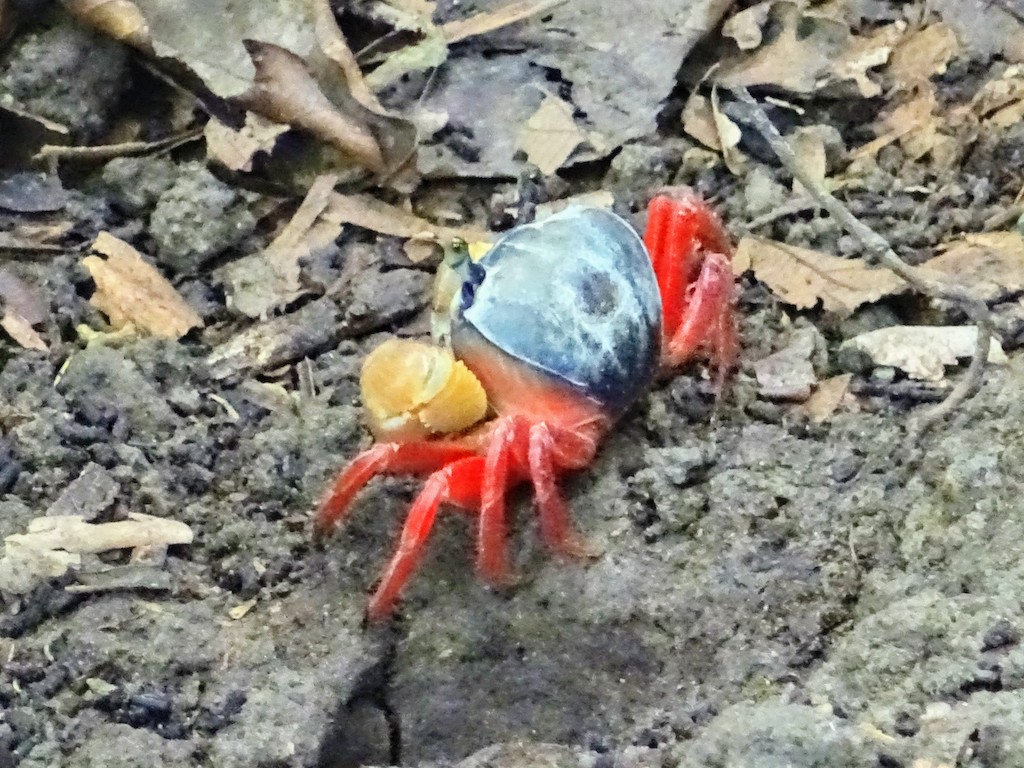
[565,323]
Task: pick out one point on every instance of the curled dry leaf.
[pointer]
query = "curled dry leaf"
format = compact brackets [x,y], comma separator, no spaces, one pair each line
[550,135]
[803,277]
[285,91]
[922,351]
[131,291]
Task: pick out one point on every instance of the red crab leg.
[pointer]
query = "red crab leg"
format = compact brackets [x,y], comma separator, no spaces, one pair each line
[458,483]
[707,318]
[492,558]
[386,458]
[553,513]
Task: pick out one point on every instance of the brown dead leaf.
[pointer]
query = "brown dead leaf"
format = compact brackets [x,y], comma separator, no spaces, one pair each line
[489,21]
[129,290]
[259,283]
[729,136]
[20,329]
[810,52]
[921,54]
[285,91]
[120,19]
[370,213]
[828,397]
[550,135]
[989,265]
[20,309]
[803,277]
[699,121]
[334,45]
[922,351]
[809,146]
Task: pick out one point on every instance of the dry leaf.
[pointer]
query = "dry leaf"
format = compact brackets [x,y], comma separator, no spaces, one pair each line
[334,45]
[285,91]
[699,121]
[20,309]
[489,21]
[71,533]
[129,290]
[550,135]
[809,147]
[922,351]
[803,277]
[261,282]
[599,198]
[20,329]
[812,51]
[370,213]
[120,19]
[922,54]
[989,265]
[830,394]
[729,136]
[863,53]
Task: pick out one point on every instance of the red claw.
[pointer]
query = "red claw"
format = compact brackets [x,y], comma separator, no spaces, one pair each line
[692,258]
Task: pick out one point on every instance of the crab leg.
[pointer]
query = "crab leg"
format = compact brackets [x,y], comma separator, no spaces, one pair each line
[553,513]
[499,473]
[458,483]
[707,318]
[387,458]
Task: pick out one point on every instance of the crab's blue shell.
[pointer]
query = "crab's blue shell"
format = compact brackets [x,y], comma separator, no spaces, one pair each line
[574,297]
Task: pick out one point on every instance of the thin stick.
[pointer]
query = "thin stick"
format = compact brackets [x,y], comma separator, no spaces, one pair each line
[878,250]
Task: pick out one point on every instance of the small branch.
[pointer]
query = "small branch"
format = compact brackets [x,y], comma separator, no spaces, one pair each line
[879,251]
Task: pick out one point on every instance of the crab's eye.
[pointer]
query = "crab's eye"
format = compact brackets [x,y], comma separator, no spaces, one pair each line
[474,277]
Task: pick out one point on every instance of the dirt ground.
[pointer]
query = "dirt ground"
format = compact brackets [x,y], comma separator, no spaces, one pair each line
[772,590]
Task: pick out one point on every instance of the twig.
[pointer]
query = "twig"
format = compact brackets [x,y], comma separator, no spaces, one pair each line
[878,250]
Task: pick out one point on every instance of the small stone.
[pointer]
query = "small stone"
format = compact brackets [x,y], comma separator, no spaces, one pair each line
[1000,635]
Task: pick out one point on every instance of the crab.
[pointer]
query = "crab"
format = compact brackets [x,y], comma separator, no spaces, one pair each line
[555,331]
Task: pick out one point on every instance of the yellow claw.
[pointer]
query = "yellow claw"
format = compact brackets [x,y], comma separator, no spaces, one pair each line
[412,390]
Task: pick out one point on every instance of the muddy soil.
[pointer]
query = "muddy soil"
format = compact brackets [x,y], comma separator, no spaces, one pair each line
[770,591]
